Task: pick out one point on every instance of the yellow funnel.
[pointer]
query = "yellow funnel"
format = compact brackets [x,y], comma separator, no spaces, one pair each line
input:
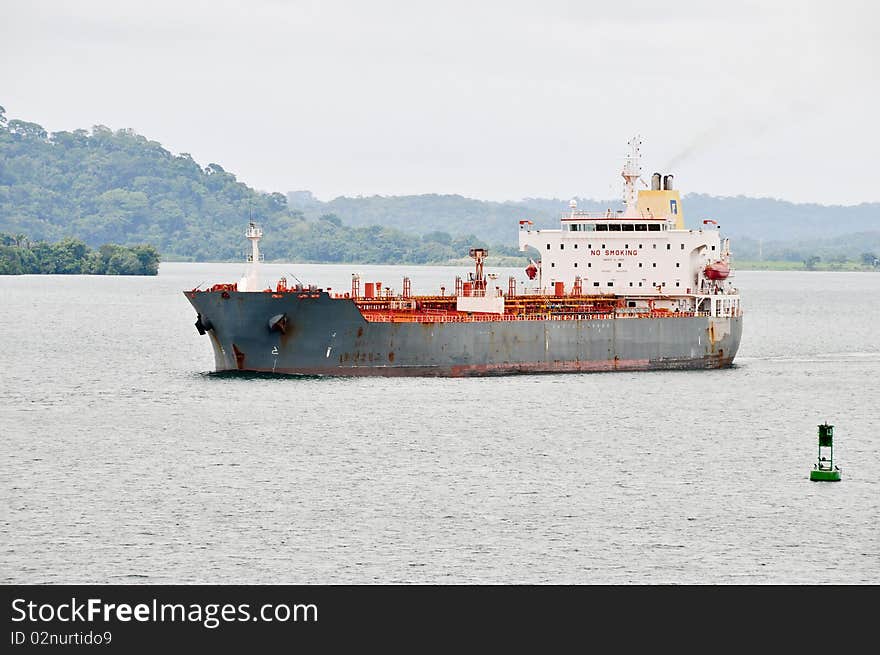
[662,204]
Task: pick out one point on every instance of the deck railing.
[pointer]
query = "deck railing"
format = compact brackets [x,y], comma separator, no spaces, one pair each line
[393,317]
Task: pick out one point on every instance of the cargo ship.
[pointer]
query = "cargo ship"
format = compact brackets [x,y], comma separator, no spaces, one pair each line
[630,289]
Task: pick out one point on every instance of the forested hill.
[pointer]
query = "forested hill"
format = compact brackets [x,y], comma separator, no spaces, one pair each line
[757,218]
[496,222]
[105,186]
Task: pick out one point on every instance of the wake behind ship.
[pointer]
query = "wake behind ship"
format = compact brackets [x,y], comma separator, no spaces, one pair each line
[630,290]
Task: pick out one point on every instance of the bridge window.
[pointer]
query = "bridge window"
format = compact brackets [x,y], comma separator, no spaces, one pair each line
[653,227]
[602,227]
[641,227]
[614,227]
[628,227]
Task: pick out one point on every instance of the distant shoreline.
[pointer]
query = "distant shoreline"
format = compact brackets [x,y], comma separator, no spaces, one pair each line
[821,267]
[513,262]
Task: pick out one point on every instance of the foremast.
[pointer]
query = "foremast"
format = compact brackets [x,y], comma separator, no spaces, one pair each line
[251,279]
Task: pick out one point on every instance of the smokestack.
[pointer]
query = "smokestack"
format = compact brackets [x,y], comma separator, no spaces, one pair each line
[667,183]
[655,182]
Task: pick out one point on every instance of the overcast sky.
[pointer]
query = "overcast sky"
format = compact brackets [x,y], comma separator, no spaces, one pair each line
[492,100]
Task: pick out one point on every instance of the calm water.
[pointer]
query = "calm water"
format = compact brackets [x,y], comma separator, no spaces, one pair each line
[125,460]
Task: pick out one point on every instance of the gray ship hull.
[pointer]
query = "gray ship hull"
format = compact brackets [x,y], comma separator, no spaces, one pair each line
[320,335]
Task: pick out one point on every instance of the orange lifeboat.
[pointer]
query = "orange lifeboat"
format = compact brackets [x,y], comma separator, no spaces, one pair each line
[717,271]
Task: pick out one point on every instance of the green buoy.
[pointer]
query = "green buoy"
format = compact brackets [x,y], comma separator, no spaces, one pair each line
[824,469]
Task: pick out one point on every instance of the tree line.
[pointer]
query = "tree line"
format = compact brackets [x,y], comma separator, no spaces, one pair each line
[21,256]
[848,250]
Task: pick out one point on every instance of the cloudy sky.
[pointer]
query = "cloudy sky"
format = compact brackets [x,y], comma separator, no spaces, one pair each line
[493,100]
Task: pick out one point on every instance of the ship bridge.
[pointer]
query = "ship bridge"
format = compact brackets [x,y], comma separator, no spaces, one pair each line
[643,250]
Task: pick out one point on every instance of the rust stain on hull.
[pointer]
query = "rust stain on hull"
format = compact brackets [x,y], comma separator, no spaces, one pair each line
[239,357]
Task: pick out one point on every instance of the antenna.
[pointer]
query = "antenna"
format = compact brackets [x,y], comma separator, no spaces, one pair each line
[295,278]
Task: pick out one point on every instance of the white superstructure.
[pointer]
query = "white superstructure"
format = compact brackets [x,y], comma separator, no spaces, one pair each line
[642,252]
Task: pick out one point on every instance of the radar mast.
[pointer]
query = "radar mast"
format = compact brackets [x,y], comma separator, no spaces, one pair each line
[632,171]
